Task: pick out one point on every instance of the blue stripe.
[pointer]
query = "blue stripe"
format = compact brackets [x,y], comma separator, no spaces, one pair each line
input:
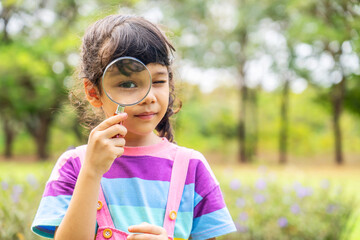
[197,199]
[48,216]
[47,209]
[213,224]
[127,216]
[125,192]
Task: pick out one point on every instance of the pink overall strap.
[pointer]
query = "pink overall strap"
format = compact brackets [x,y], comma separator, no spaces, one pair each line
[177,183]
[103,217]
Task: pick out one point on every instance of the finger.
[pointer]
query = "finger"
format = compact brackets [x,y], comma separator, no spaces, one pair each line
[111,121]
[118,142]
[118,151]
[142,237]
[114,130]
[146,228]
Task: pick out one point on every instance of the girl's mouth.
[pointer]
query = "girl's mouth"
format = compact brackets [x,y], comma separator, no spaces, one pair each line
[146,115]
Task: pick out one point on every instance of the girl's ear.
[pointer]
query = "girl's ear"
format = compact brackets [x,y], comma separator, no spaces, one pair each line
[92,93]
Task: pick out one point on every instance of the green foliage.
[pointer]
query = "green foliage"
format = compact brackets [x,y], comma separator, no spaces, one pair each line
[352,99]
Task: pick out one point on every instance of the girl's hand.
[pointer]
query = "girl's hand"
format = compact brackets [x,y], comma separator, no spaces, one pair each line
[146,231]
[103,147]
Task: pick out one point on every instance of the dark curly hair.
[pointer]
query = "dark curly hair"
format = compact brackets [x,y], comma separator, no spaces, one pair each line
[126,35]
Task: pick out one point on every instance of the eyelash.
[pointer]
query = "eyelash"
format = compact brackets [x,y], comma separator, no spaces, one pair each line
[159,82]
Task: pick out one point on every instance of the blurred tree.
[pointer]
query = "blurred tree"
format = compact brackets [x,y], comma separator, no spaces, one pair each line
[9,116]
[352,98]
[330,27]
[283,64]
[39,49]
[216,34]
[35,65]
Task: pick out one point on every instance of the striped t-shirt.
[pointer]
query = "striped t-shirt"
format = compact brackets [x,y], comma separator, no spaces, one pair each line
[136,189]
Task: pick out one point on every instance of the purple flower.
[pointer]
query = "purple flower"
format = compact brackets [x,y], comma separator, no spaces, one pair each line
[241,228]
[331,208]
[235,184]
[17,191]
[260,184]
[243,216]
[282,222]
[4,185]
[302,191]
[240,202]
[295,208]
[259,198]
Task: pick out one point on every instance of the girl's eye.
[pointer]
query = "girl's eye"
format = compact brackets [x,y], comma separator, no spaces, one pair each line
[159,82]
[127,84]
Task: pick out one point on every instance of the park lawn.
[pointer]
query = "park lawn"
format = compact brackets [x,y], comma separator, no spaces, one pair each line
[346,177]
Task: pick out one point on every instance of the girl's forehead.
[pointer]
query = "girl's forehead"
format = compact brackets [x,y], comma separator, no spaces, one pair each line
[157,68]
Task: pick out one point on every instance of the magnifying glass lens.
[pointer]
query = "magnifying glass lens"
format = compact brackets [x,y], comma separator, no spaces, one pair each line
[126,81]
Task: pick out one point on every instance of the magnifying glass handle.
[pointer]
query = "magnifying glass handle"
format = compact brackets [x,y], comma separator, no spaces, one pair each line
[120,109]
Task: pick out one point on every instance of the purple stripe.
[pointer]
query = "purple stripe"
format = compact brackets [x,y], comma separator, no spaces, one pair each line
[204,181]
[212,202]
[56,188]
[67,179]
[146,167]
[70,170]
[150,168]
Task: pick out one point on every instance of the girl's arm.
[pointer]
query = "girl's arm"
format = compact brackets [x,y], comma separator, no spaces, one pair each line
[80,219]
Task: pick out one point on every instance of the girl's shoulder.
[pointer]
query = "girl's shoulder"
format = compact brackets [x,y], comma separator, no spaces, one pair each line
[198,164]
[73,153]
[71,157]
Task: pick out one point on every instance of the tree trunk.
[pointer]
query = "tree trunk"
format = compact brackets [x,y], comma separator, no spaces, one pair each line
[255,116]
[242,122]
[9,137]
[43,137]
[251,124]
[284,123]
[39,128]
[337,97]
[243,39]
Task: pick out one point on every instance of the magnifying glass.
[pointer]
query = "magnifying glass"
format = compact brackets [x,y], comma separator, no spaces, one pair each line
[126,81]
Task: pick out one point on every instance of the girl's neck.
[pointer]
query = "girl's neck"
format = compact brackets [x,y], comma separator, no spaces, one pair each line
[145,140]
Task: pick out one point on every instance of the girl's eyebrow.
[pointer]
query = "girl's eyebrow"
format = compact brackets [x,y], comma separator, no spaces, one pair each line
[160,73]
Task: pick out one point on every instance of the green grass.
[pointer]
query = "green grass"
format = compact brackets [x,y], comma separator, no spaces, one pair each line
[344,178]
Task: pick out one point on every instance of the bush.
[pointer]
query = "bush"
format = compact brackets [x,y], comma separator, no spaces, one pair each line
[18,205]
[267,209]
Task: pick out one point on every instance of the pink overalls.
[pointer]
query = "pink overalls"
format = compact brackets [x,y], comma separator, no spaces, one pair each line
[107,229]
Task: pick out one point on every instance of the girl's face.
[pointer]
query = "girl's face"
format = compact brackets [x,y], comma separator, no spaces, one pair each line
[146,115]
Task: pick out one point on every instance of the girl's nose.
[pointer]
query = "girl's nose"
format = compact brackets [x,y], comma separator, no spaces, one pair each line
[150,98]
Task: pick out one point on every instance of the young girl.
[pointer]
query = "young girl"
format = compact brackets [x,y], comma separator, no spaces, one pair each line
[118,187]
